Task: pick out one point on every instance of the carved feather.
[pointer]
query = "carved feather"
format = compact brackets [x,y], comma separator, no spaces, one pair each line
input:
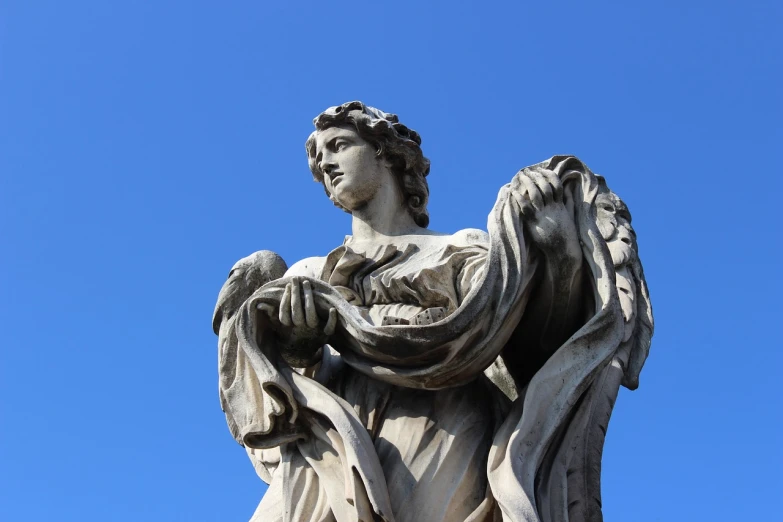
[246,276]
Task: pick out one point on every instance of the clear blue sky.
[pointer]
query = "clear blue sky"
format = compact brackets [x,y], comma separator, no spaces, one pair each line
[146,146]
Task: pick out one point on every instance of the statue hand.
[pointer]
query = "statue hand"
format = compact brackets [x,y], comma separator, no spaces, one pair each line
[548,213]
[296,321]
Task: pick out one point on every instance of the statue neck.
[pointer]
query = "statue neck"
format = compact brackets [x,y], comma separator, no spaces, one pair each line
[386,215]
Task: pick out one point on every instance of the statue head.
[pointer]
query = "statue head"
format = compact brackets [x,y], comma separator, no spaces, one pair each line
[614,223]
[393,142]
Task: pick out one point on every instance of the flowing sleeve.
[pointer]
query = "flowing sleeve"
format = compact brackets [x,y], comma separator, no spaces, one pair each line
[472,268]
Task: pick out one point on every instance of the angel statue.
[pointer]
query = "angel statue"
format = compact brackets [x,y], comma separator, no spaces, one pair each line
[414,376]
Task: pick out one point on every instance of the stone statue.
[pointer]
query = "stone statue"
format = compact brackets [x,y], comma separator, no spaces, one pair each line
[415,376]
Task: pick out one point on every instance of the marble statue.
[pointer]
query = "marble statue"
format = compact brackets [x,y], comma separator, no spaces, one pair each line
[414,376]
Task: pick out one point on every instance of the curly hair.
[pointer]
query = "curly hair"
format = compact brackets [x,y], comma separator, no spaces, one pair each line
[393,141]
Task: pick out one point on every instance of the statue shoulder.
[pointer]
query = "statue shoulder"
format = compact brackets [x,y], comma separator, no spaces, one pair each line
[470,236]
[307,267]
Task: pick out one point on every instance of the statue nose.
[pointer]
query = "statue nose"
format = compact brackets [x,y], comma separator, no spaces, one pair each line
[327,168]
[625,236]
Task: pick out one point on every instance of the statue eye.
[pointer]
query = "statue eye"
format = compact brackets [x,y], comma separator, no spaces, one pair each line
[339,145]
[606,207]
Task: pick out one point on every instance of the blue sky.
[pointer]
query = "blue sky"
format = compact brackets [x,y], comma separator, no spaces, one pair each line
[146,146]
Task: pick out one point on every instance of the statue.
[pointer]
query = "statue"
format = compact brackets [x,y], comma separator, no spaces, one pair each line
[412,376]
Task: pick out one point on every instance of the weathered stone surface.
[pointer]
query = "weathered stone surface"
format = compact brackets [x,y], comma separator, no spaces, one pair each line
[410,375]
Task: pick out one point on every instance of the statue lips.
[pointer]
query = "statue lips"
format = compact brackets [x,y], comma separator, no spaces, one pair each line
[336,177]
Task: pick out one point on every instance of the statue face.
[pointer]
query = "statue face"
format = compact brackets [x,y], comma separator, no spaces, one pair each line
[353,172]
[614,223]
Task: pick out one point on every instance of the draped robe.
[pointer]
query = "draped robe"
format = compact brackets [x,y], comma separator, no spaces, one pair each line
[424,421]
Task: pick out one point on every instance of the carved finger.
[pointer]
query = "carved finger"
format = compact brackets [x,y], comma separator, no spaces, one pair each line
[331,324]
[268,309]
[557,185]
[516,185]
[284,314]
[543,185]
[311,317]
[297,311]
[518,193]
[533,193]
